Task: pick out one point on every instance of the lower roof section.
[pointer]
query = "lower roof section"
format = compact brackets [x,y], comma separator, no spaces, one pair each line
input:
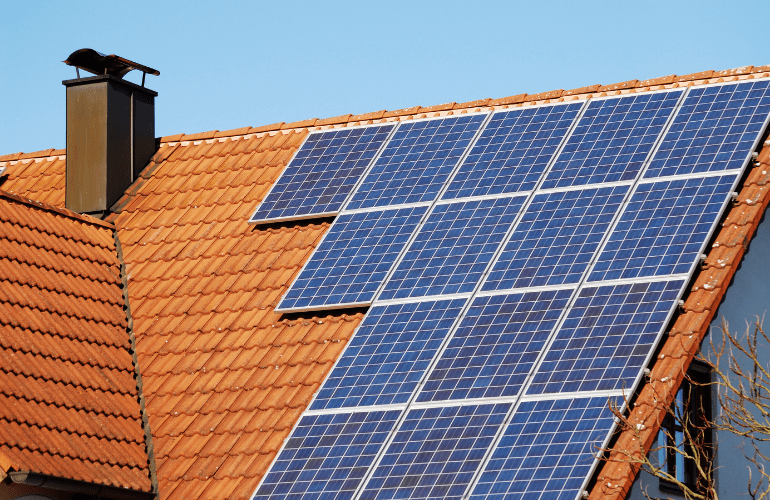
[68,396]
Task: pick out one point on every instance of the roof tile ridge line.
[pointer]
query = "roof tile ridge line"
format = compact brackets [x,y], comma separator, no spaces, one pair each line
[88,433]
[670,81]
[36,265]
[148,443]
[67,383]
[601,475]
[72,293]
[84,408]
[58,357]
[38,307]
[63,430]
[58,210]
[55,451]
[238,390]
[34,155]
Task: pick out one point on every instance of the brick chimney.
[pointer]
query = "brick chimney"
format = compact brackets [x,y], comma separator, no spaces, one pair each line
[110,130]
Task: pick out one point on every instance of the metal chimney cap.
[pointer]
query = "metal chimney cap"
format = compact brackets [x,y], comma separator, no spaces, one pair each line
[100,64]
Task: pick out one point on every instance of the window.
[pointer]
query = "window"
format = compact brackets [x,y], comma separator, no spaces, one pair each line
[685,436]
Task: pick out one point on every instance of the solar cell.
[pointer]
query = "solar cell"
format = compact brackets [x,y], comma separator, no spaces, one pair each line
[388,354]
[512,151]
[663,228]
[435,452]
[606,337]
[353,259]
[452,249]
[556,238]
[327,456]
[495,346]
[547,450]
[324,171]
[715,129]
[416,162]
[612,139]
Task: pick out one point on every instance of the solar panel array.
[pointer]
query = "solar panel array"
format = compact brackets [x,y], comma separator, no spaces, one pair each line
[521,266]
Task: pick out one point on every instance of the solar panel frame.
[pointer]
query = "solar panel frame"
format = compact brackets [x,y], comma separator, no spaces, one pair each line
[552,180]
[618,400]
[425,312]
[496,408]
[397,286]
[566,316]
[353,204]
[343,219]
[254,221]
[754,145]
[503,190]
[395,414]
[469,344]
[536,259]
[709,234]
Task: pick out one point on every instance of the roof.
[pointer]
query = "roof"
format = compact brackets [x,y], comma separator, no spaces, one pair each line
[68,395]
[225,377]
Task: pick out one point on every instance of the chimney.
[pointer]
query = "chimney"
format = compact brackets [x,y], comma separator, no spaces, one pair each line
[110,130]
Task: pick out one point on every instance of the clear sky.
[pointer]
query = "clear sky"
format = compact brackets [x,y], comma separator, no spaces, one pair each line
[233,64]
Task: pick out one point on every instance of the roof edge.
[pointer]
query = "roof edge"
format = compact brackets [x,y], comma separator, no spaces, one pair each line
[73,485]
[58,210]
[670,81]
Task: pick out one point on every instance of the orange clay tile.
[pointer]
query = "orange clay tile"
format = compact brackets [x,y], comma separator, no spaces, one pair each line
[202,285]
[73,391]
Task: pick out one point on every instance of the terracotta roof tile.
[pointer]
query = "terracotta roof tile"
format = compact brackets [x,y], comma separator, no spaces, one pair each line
[69,397]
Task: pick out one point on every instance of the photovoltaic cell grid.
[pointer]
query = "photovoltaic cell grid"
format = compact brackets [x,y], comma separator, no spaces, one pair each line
[452,249]
[327,456]
[612,139]
[353,259]
[608,333]
[324,171]
[547,450]
[512,151]
[495,346]
[663,228]
[388,355]
[436,452]
[556,238]
[715,130]
[416,162]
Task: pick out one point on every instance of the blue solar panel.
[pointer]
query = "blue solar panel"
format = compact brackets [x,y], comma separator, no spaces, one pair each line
[715,129]
[547,450]
[663,228]
[324,171]
[608,333]
[495,346]
[353,259]
[435,452]
[452,249]
[416,162]
[612,139]
[327,456]
[388,355]
[512,151]
[556,238]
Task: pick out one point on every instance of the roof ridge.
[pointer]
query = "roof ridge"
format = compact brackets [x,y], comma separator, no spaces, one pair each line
[670,81]
[59,210]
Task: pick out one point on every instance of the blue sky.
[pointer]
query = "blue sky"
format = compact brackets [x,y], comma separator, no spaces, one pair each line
[234,64]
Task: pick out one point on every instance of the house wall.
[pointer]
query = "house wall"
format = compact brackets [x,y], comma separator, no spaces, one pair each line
[747,298]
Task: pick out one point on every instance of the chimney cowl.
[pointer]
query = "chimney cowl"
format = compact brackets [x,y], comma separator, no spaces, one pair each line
[110,131]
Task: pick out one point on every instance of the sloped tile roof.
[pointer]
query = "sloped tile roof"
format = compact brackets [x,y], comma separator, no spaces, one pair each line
[68,397]
[226,378]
